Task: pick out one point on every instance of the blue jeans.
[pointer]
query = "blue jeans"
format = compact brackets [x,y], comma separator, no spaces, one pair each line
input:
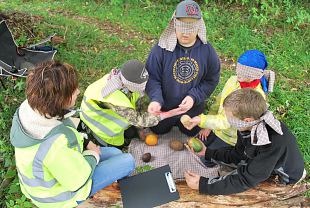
[113,165]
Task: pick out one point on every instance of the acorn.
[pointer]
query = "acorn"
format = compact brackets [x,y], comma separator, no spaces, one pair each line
[146,157]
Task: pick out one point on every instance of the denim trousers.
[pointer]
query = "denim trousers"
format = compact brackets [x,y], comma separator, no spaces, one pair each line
[113,165]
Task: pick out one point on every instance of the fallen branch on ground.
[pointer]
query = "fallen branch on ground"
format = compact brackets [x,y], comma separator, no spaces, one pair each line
[267,194]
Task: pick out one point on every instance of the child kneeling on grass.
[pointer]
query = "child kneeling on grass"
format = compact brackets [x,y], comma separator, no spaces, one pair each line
[265,146]
[112,106]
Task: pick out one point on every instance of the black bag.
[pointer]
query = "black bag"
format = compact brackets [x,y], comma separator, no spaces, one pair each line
[14,60]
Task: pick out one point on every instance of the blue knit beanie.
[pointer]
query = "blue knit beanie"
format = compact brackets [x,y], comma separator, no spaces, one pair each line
[257,59]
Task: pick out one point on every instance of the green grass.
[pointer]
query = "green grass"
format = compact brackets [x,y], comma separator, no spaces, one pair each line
[94,48]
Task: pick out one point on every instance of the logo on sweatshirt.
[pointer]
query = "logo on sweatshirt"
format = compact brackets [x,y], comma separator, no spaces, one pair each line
[185,70]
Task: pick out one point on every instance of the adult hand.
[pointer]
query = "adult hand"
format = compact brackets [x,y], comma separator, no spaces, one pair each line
[204,133]
[93,147]
[154,108]
[187,103]
[202,153]
[192,180]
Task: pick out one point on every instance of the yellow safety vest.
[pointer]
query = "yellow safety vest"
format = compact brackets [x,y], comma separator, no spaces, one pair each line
[52,171]
[104,122]
[216,118]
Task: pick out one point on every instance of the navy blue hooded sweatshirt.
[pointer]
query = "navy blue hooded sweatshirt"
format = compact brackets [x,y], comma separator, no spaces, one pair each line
[192,71]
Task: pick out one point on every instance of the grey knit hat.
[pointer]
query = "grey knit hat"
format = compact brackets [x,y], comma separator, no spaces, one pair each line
[188,8]
[132,75]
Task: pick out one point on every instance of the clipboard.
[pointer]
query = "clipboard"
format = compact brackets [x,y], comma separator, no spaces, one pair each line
[149,189]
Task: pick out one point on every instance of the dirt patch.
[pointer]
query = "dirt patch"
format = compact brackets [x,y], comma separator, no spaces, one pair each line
[23,25]
[100,45]
[227,63]
[110,28]
[114,29]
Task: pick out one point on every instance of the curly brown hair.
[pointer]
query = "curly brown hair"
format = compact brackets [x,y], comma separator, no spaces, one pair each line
[49,88]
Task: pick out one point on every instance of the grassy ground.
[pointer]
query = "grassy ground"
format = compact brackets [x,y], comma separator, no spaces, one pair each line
[100,35]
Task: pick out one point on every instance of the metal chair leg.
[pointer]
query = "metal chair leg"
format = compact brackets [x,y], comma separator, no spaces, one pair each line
[2,83]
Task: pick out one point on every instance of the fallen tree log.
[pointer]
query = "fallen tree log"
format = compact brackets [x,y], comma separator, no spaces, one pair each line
[267,194]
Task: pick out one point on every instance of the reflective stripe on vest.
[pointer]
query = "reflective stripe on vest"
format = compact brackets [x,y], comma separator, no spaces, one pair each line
[35,182]
[97,124]
[105,115]
[37,166]
[38,173]
[65,196]
[71,137]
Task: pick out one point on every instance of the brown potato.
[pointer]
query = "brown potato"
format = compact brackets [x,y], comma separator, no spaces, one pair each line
[176,145]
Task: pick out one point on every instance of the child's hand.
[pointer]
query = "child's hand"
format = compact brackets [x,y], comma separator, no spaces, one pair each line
[190,124]
[204,133]
[154,108]
[192,180]
[202,153]
[187,103]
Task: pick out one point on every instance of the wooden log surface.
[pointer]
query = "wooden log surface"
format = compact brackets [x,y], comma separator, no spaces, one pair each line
[266,194]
